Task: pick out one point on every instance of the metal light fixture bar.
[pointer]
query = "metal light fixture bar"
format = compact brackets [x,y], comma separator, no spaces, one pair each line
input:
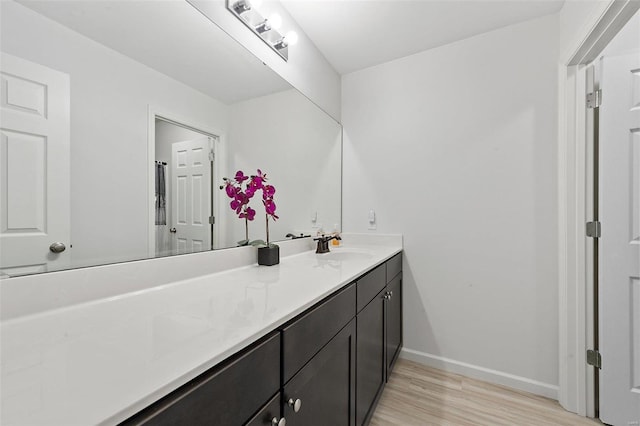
[260,26]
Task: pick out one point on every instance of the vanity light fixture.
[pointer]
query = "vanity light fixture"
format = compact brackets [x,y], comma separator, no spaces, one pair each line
[265,28]
[289,40]
[275,20]
[241,6]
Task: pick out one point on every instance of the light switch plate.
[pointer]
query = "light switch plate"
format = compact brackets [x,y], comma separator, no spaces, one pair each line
[372,220]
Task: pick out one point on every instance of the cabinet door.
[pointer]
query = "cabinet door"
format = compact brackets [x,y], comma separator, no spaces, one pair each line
[394,322]
[326,385]
[370,367]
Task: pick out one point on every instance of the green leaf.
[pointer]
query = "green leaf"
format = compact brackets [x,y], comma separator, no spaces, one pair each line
[258,243]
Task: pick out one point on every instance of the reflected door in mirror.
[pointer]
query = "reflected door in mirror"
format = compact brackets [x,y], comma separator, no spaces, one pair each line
[34,161]
[191,193]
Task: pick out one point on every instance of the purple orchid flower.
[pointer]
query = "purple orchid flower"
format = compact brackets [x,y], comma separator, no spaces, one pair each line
[240,177]
[242,188]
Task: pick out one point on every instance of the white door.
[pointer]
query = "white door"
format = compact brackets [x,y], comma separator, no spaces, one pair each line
[619,252]
[191,194]
[34,166]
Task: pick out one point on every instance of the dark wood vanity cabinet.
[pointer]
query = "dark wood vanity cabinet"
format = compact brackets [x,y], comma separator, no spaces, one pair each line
[379,333]
[328,366]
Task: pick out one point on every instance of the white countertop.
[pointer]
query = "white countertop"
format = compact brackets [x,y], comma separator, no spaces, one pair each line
[101,361]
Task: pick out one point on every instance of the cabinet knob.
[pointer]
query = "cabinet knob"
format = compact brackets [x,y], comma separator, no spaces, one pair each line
[386,296]
[276,422]
[390,294]
[295,404]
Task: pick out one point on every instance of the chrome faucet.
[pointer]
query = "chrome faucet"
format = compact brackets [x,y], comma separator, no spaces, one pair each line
[323,243]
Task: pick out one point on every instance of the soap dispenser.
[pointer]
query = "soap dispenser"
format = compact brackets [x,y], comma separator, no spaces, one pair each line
[336,242]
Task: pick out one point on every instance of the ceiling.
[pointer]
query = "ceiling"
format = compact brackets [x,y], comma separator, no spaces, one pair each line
[356,34]
[173,38]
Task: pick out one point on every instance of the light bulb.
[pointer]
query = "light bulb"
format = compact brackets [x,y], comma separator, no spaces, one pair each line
[275,21]
[291,38]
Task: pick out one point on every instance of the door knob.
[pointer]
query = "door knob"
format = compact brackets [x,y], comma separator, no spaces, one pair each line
[295,404]
[57,247]
[276,422]
[172,230]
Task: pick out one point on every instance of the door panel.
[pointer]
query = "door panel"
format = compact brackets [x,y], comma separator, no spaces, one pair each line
[619,246]
[34,166]
[326,385]
[394,322]
[370,356]
[191,194]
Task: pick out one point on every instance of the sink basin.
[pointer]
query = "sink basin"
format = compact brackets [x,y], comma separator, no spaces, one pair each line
[343,254]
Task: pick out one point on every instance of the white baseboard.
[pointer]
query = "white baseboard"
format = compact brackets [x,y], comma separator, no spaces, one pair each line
[481,373]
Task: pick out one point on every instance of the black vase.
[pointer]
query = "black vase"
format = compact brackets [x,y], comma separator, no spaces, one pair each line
[269,256]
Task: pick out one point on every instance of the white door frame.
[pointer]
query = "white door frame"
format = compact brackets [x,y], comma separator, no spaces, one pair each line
[219,149]
[576,379]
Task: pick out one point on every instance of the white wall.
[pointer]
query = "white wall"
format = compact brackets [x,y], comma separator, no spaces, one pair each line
[455,148]
[307,69]
[306,139]
[110,98]
[575,21]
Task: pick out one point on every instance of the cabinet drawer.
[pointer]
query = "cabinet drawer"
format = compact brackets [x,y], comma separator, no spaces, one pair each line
[225,395]
[394,266]
[370,285]
[307,335]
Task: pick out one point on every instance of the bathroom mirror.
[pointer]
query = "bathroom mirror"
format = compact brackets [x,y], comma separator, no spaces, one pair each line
[120,120]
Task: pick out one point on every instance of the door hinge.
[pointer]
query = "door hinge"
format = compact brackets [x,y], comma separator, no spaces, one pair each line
[594,99]
[212,220]
[594,358]
[594,229]
[212,156]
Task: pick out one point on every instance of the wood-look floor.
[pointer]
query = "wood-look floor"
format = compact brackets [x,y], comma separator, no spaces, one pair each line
[419,395]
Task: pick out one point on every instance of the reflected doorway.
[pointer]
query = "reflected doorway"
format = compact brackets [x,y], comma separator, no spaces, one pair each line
[184,200]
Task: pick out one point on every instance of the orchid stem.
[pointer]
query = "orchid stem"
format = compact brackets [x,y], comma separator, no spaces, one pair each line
[266,217]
